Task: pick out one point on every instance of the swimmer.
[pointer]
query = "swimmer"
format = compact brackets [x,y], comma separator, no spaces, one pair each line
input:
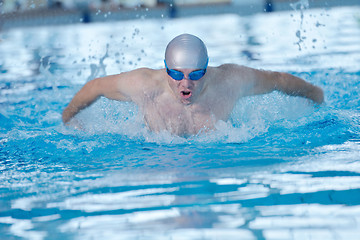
[188,96]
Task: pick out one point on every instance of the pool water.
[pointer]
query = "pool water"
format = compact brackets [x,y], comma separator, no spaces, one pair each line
[280,168]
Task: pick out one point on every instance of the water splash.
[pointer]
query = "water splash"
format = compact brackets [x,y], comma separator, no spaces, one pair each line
[301,5]
[99,70]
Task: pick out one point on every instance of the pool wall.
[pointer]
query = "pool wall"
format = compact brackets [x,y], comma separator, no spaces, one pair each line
[41,17]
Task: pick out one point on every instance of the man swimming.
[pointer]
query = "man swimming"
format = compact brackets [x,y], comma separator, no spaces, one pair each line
[187,96]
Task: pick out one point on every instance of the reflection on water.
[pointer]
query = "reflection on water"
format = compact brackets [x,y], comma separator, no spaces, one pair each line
[279,169]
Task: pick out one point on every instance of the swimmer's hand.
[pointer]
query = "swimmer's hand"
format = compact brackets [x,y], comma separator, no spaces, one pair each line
[316,95]
[75,123]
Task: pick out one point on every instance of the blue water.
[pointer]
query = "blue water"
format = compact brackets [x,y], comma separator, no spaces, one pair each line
[280,168]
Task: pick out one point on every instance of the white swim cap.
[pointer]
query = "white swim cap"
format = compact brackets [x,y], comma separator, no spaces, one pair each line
[186,51]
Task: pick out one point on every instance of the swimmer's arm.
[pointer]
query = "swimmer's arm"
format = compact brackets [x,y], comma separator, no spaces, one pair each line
[268,81]
[119,87]
[294,86]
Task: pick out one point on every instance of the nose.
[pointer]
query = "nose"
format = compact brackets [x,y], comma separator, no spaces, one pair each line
[186,82]
[186,76]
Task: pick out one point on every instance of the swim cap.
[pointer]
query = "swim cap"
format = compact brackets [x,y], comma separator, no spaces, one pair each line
[186,51]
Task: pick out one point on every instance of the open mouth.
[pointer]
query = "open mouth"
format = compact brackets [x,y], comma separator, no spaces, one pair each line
[185,94]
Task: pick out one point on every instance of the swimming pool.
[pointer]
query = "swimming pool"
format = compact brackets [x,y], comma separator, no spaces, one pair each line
[279,169]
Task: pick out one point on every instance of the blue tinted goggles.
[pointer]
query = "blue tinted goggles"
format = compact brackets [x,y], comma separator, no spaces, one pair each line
[194,75]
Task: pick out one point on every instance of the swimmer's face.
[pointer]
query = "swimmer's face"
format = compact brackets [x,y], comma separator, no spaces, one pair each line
[186,90]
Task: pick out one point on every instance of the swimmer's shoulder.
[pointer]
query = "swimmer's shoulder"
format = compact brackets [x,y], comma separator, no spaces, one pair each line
[226,71]
[231,75]
[149,78]
[139,75]
[231,67]
[149,73]
[137,78]
[231,71]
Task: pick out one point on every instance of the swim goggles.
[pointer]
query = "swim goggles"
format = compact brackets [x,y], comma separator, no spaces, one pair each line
[194,75]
